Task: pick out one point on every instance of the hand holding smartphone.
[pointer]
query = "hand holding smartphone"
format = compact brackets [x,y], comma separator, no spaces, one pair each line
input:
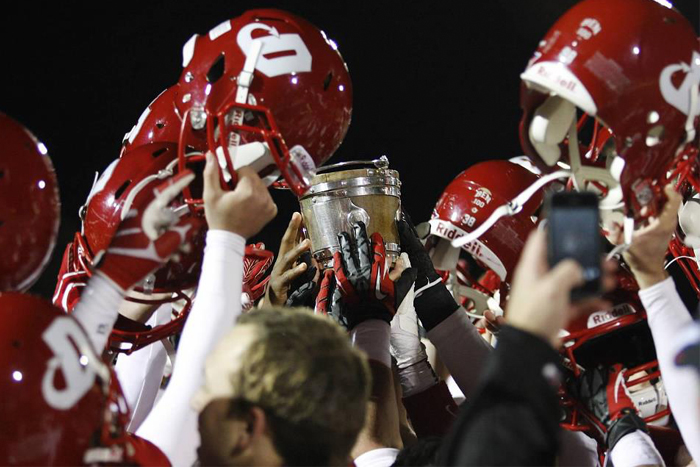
[574,232]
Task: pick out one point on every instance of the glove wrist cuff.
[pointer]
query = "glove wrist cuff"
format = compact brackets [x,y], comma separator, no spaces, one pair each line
[626,423]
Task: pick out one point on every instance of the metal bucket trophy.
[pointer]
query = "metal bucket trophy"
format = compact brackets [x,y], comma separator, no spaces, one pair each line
[338,199]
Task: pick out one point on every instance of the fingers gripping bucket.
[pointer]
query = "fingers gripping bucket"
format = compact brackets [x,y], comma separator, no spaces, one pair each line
[339,198]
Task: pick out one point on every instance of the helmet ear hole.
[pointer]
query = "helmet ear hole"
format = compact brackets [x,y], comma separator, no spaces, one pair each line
[327,81]
[120,191]
[159,152]
[216,71]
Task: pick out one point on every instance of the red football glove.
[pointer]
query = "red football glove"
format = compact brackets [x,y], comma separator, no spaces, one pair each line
[328,298]
[362,275]
[71,281]
[149,236]
[256,262]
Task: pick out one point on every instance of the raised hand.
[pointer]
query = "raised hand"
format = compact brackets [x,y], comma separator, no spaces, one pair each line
[328,299]
[304,287]
[604,393]
[540,300]
[245,210]
[150,235]
[286,271]
[647,253]
[361,271]
[434,303]
[256,262]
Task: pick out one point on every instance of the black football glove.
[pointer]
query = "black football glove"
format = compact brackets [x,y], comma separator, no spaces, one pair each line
[433,302]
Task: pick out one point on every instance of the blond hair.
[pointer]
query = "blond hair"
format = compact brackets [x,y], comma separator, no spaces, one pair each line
[302,370]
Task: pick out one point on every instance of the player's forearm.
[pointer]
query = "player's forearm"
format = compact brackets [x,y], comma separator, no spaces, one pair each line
[381,429]
[462,349]
[172,425]
[668,317]
[97,310]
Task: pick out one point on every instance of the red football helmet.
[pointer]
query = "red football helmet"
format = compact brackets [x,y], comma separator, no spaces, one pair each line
[159,123]
[469,200]
[30,209]
[62,405]
[616,336]
[109,201]
[265,89]
[638,77]
[467,206]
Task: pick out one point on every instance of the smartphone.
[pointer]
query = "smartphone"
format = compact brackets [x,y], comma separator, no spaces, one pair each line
[574,232]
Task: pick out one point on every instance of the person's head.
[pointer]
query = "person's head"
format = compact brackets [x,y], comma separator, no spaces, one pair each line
[30,208]
[283,387]
[62,404]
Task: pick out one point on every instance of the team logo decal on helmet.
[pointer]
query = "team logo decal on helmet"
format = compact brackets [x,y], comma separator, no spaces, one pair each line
[275,59]
[78,367]
[681,96]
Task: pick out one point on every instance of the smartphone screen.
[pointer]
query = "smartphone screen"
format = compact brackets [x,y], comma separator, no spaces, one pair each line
[574,232]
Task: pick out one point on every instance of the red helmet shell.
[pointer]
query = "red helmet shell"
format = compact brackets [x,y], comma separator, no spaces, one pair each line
[59,398]
[30,209]
[137,170]
[160,122]
[636,76]
[472,197]
[300,93]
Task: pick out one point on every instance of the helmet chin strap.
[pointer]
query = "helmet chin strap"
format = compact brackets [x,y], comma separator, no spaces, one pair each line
[511,208]
[445,257]
[580,174]
[245,78]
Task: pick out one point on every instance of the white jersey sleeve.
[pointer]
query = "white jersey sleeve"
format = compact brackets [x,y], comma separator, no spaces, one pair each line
[172,424]
[668,318]
[635,449]
[577,449]
[98,309]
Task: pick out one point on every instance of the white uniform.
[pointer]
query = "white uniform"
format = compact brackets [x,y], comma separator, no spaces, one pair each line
[669,320]
[172,424]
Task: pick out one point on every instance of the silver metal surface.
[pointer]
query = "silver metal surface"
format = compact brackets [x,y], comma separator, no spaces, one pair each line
[381,178]
[371,195]
[324,256]
[381,163]
[350,192]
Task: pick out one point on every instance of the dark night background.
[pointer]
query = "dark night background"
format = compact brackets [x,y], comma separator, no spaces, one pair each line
[435,84]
